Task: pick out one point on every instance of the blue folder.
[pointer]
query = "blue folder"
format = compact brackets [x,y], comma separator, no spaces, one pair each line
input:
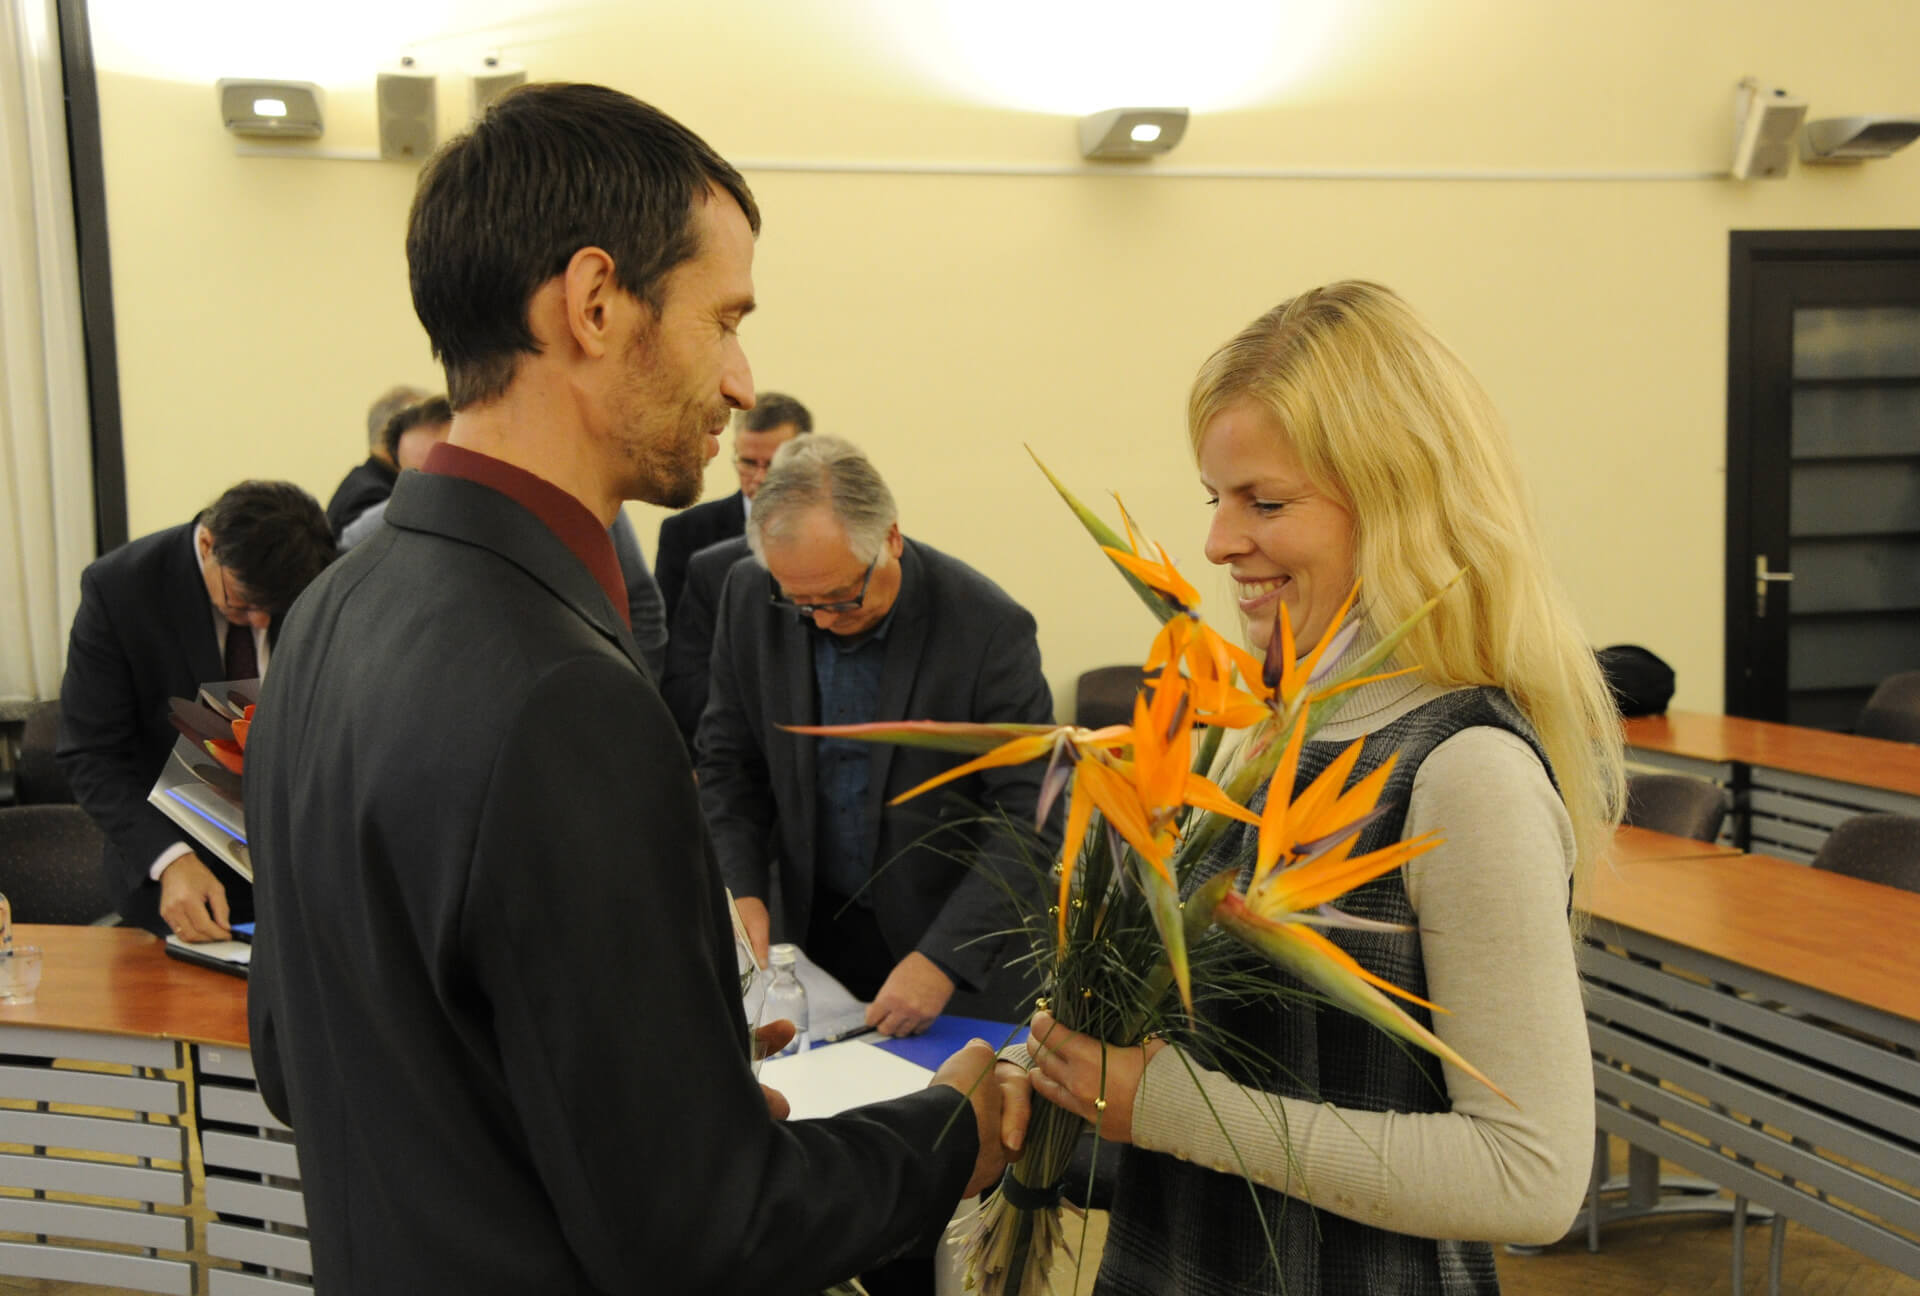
[947,1036]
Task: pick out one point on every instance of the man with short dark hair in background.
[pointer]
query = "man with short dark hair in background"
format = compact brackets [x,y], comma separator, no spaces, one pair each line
[372,481]
[410,434]
[494,948]
[158,618]
[774,420]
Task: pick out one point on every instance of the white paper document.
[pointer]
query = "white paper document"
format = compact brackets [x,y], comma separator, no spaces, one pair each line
[827,1081]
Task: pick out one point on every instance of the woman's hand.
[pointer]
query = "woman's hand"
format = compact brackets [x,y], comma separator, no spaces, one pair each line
[1095,1081]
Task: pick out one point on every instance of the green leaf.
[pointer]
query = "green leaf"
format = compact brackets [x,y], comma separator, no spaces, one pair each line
[1105,535]
[939,735]
[1284,946]
[1164,900]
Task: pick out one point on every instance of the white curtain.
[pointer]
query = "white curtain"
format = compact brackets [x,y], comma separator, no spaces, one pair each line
[46,463]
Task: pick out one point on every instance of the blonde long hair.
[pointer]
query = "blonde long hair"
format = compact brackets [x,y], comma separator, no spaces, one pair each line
[1387,420]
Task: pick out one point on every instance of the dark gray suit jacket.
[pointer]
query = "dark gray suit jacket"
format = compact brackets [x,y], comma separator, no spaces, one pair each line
[494,987]
[143,635]
[958,648]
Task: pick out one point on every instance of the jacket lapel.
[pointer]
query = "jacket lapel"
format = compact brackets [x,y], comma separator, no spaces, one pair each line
[192,613]
[795,651]
[906,642]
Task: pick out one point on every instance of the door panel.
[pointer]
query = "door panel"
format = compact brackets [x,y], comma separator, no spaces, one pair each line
[1823,482]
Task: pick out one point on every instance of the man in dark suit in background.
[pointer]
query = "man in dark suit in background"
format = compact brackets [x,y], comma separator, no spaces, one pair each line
[690,639]
[371,481]
[773,421]
[494,947]
[844,620]
[158,618]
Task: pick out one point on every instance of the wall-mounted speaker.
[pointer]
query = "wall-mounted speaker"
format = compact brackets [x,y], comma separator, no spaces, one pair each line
[491,80]
[1766,120]
[408,102]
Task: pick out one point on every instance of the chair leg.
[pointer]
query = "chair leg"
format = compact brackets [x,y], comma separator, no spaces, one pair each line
[1739,1245]
[1776,1254]
[1596,1181]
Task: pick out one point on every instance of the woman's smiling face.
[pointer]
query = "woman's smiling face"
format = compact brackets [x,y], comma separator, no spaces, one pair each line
[1279,536]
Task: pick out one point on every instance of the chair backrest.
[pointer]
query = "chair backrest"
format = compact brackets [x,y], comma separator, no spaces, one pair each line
[50,865]
[1676,804]
[1883,848]
[1104,696]
[38,779]
[1894,709]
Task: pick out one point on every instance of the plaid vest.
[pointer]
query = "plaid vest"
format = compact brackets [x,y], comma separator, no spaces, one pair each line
[1182,1228]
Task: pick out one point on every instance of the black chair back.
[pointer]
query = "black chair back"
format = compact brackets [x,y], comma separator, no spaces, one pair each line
[1883,848]
[1894,709]
[50,865]
[1676,805]
[1104,696]
[37,778]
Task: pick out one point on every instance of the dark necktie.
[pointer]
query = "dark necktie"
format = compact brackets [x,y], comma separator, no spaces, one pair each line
[241,661]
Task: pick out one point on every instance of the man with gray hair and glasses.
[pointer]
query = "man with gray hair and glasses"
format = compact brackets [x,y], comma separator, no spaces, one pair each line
[838,618]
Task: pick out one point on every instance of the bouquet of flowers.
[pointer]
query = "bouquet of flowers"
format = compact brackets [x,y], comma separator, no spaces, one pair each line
[1143,811]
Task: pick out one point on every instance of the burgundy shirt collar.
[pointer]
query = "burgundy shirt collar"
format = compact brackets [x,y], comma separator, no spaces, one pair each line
[576,528]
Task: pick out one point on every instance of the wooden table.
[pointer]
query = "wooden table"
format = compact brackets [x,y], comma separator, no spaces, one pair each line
[112,1016]
[1790,786]
[1756,1022]
[1632,845]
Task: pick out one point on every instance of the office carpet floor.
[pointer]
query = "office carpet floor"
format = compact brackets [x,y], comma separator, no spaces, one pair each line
[1668,1256]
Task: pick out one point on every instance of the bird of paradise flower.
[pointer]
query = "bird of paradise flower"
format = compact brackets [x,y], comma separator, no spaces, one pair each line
[1148,781]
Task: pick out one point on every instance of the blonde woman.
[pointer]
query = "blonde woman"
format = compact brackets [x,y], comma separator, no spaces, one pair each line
[1337,437]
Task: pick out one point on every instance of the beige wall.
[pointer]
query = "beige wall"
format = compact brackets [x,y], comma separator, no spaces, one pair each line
[944,321]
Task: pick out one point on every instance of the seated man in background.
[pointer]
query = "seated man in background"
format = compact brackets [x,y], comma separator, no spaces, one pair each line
[844,620]
[158,618]
[772,422]
[413,431]
[372,481]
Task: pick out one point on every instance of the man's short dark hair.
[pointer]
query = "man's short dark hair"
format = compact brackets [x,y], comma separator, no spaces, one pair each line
[550,169]
[776,409]
[430,412]
[273,537]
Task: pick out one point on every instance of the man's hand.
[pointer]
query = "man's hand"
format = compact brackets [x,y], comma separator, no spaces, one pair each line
[914,994]
[193,902]
[767,1041]
[1016,1104]
[759,924]
[967,1071]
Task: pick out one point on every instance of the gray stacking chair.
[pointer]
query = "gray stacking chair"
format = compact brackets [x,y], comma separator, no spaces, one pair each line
[1894,710]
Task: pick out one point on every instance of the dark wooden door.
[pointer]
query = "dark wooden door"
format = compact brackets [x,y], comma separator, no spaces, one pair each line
[1823,471]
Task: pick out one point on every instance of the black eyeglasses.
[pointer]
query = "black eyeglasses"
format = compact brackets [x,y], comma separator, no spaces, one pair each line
[833,608]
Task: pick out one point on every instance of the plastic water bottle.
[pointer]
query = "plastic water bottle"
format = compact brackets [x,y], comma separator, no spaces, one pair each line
[786,997]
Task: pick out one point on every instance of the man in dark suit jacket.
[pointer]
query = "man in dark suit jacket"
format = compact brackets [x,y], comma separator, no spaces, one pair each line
[372,481]
[774,420]
[690,643]
[494,948]
[157,620]
[889,629]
